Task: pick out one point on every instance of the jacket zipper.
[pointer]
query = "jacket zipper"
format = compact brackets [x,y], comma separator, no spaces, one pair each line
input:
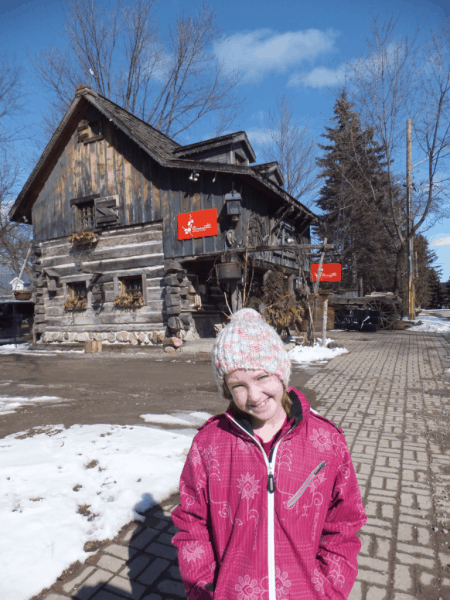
[302,489]
[270,510]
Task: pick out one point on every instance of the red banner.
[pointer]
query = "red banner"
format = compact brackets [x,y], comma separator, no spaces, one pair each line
[330,272]
[199,223]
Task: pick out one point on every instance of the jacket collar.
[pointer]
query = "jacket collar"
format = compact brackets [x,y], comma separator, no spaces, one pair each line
[243,419]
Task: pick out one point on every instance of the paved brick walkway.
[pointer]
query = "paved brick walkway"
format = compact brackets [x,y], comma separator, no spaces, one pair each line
[391,397]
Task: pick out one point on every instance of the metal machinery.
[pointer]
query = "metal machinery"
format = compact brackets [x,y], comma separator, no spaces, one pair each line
[371,312]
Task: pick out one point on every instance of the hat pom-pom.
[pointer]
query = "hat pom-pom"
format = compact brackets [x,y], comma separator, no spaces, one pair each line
[246,313]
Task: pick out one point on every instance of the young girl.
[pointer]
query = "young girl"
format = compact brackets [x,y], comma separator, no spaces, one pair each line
[270,504]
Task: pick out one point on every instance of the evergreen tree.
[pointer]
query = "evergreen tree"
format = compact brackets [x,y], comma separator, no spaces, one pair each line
[427,280]
[437,297]
[447,294]
[351,198]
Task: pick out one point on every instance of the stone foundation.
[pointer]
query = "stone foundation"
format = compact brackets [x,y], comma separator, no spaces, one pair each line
[123,337]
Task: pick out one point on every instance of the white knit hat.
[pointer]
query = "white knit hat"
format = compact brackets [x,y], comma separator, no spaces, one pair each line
[249,343]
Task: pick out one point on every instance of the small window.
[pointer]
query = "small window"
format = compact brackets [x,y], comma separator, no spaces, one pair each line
[131,292]
[91,213]
[76,296]
[131,285]
[86,215]
[78,289]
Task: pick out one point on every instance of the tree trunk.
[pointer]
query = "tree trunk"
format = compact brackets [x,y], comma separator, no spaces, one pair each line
[354,269]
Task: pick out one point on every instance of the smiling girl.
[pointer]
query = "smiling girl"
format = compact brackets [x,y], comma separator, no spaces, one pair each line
[270,504]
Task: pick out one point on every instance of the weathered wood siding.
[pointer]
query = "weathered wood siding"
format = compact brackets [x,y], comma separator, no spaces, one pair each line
[113,165]
[224,154]
[178,196]
[124,252]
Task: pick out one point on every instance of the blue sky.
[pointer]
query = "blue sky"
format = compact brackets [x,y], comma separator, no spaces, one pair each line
[296,48]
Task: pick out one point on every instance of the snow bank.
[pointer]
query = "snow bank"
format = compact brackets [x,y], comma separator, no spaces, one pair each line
[306,354]
[431,324]
[109,470]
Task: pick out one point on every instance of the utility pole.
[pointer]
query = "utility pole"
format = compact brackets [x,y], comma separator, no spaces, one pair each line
[411,307]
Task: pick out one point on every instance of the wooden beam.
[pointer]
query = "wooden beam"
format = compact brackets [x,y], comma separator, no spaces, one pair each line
[285,247]
[328,248]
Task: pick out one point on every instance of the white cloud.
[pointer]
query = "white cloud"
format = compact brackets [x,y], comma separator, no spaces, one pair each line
[259,136]
[318,77]
[259,52]
[443,239]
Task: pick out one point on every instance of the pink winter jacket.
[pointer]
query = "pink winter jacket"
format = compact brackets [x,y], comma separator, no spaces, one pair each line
[254,529]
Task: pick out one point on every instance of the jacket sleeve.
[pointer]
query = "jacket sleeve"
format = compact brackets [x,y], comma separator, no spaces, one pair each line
[339,545]
[190,517]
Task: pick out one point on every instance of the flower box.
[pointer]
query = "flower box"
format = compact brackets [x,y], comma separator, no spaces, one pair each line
[124,300]
[22,295]
[83,237]
[75,304]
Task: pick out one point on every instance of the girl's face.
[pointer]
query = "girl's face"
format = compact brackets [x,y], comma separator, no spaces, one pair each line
[257,394]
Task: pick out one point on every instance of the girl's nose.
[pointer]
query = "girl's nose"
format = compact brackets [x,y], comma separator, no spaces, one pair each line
[254,393]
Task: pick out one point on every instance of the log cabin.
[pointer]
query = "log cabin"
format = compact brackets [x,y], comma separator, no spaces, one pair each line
[136,236]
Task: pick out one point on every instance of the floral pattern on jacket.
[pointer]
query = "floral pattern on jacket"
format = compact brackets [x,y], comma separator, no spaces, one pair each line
[223,537]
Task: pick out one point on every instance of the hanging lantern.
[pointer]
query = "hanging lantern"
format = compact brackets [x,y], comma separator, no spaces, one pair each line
[233,205]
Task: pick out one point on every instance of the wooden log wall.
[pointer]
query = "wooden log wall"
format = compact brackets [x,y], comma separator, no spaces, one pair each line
[133,251]
[109,166]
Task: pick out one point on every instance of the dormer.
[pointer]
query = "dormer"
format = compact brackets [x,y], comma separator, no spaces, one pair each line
[232,149]
[271,170]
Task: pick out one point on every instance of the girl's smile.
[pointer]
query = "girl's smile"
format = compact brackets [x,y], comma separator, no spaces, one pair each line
[261,405]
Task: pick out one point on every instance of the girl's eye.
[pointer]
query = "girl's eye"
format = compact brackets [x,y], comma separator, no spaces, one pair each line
[262,377]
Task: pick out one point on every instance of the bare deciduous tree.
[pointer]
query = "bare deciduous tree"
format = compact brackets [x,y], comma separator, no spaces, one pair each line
[11,98]
[171,84]
[14,238]
[292,146]
[389,86]
[431,124]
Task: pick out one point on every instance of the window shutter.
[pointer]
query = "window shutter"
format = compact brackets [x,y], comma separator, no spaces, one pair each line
[107,211]
[75,220]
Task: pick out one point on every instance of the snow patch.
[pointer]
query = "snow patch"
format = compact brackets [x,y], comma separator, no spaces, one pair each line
[164,419]
[196,418]
[307,354]
[9,404]
[25,349]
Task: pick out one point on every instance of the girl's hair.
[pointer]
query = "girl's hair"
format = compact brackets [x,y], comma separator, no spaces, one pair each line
[286,402]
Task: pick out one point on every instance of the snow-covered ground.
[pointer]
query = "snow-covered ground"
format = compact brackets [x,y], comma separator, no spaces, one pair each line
[431,323]
[64,487]
[316,353]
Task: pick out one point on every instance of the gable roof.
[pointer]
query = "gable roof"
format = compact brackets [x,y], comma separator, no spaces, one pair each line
[151,137]
[157,145]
